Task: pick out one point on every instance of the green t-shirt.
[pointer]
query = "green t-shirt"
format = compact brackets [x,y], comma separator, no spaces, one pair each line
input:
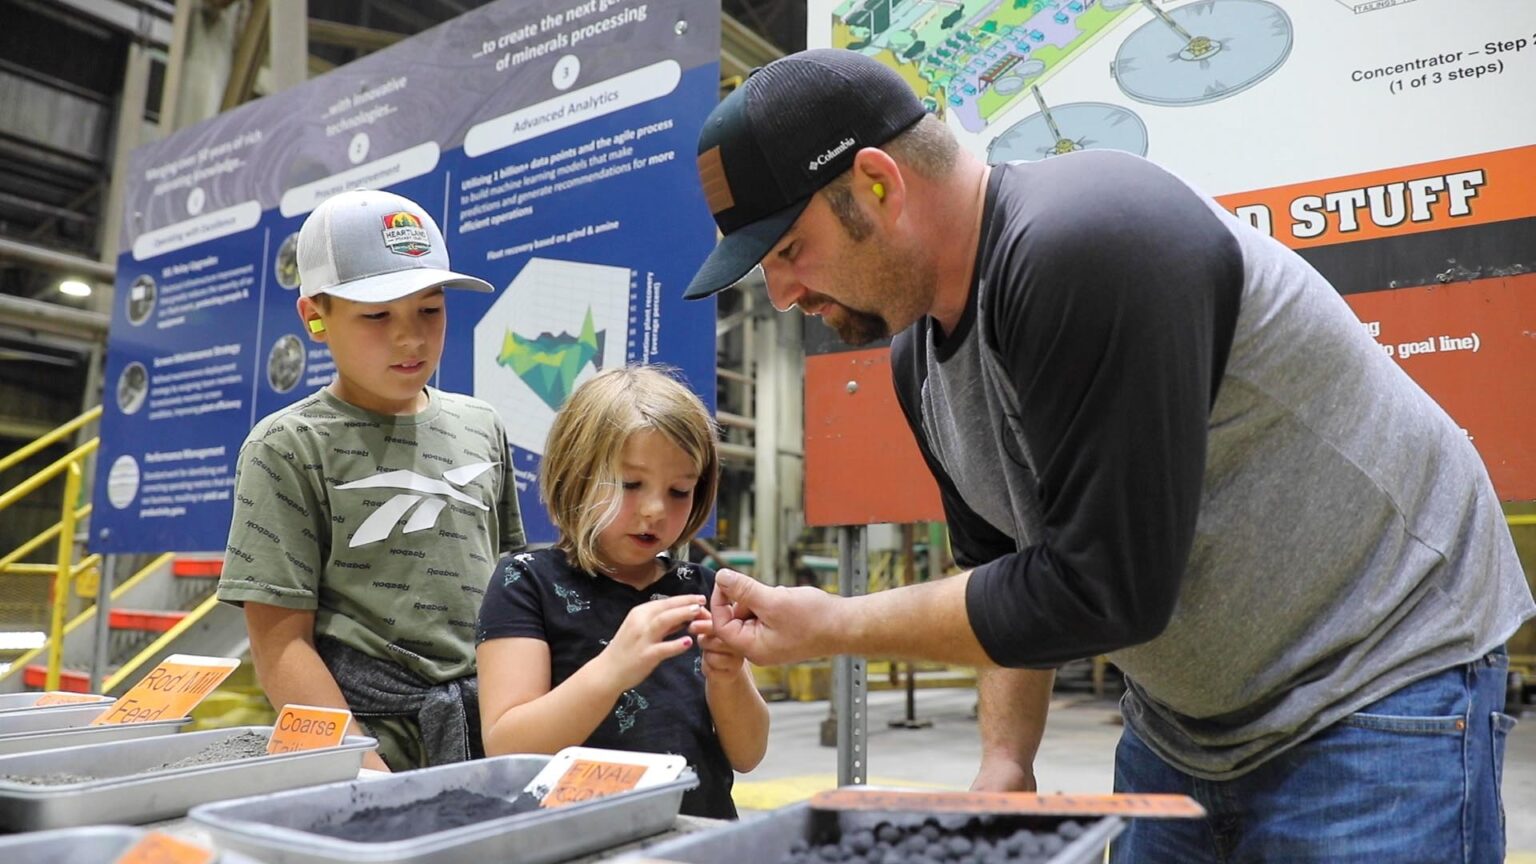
[388,527]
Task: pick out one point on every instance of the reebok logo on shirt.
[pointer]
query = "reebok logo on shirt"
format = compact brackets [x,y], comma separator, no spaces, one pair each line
[382,521]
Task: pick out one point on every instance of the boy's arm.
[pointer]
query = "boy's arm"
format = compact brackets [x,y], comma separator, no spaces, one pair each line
[290,669]
[740,715]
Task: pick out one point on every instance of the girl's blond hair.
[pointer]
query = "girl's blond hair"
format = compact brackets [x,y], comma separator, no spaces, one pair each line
[580,482]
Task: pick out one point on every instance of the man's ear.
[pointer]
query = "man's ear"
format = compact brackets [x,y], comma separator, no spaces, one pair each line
[312,317]
[877,183]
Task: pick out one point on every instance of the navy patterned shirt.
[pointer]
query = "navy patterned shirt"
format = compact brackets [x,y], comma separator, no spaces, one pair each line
[539,595]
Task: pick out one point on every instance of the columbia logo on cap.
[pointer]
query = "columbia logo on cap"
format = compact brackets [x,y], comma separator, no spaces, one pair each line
[823,159]
[403,234]
[791,128]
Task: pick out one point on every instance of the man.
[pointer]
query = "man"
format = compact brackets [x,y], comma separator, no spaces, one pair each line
[1159,435]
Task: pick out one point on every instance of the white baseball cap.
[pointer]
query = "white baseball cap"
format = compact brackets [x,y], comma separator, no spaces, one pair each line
[373,247]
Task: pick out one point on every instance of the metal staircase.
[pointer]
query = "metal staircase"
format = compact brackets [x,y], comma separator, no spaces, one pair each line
[168,607]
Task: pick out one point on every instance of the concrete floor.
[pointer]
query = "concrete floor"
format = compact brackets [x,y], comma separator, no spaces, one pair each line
[1077,754]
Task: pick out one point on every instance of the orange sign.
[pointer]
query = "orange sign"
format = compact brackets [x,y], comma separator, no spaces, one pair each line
[170,691]
[1139,806]
[47,699]
[157,848]
[862,464]
[587,779]
[307,727]
[1469,345]
[1470,190]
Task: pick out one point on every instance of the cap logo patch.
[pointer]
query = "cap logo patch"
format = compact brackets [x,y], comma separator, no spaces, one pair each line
[824,159]
[403,235]
[717,189]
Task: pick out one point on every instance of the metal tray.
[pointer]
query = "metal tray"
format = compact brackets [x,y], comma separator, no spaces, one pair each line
[18,714]
[767,840]
[271,827]
[82,846]
[52,739]
[158,794]
[27,701]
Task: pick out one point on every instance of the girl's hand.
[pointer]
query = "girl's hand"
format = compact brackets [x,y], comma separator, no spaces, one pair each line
[642,643]
[720,660]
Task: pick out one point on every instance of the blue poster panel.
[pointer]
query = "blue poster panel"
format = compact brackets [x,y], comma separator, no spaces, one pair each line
[552,140]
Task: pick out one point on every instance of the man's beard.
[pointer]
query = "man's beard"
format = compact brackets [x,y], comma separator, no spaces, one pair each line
[859,328]
[900,277]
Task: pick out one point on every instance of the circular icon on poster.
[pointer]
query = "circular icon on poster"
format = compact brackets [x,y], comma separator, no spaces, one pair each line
[286,266]
[141,299]
[566,70]
[132,387]
[195,201]
[285,363]
[123,482]
[357,150]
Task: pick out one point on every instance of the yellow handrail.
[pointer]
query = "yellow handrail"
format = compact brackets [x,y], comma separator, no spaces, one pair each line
[1522,519]
[50,438]
[64,463]
[30,569]
[65,569]
[37,542]
[79,567]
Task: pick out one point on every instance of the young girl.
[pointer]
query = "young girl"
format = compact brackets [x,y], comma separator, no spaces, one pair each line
[587,642]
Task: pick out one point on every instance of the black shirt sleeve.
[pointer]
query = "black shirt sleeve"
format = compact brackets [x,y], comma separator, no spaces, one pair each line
[1112,309]
[512,605]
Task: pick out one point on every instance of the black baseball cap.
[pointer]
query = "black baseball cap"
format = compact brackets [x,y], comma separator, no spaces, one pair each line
[791,128]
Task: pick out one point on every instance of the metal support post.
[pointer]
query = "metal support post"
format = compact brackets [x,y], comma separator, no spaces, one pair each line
[909,577]
[766,536]
[101,653]
[63,582]
[288,55]
[850,685]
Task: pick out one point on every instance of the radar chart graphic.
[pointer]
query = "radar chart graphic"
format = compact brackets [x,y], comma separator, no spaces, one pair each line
[556,325]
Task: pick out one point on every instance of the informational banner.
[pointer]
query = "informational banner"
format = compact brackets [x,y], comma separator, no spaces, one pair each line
[1390,142]
[551,139]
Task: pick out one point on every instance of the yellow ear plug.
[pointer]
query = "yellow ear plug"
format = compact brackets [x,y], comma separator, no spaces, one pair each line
[879,190]
[316,325]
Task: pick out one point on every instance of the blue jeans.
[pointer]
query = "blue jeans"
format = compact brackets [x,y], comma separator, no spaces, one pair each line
[1411,778]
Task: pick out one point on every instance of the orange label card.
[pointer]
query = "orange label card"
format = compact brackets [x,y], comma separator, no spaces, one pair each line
[1138,806]
[47,699]
[306,727]
[157,848]
[170,691]
[586,779]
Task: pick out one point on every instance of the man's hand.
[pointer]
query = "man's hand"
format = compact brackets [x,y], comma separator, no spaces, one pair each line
[1003,775]
[770,625]
[720,659]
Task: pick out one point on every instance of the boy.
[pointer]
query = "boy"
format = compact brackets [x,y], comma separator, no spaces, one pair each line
[368,515]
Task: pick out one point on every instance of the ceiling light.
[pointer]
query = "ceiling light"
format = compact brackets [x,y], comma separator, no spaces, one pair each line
[75,288]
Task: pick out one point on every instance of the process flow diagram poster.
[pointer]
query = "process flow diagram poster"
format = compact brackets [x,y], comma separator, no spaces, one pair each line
[552,140]
[1390,142]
